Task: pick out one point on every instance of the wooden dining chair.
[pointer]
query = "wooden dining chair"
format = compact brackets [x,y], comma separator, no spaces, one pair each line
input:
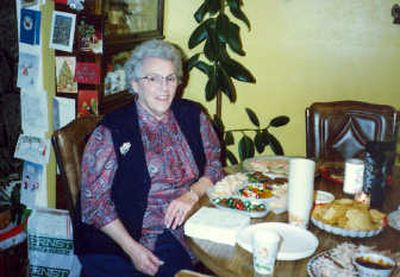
[339,130]
[69,143]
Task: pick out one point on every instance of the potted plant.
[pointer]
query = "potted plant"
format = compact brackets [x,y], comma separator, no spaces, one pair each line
[217,37]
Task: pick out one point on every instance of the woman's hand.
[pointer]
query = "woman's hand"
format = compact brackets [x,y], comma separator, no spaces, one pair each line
[179,209]
[144,260]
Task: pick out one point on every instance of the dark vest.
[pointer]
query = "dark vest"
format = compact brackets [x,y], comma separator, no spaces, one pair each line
[132,181]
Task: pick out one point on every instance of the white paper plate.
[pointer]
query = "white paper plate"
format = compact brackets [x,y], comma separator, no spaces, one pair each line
[344,232]
[297,243]
[394,219]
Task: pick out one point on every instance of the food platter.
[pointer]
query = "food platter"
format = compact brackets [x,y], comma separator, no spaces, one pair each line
[338,261]
[323,265]
[297,243]
[344,232]
[278,165]
[247,193]
[251,208]
[348,218]
[241,197]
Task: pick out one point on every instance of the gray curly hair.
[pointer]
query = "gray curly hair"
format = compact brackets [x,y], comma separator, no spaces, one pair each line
[154,48]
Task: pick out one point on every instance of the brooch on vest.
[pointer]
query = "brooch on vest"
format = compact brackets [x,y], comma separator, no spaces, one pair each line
[126,146]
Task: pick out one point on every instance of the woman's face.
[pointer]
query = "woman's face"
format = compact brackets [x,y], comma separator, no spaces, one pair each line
[156,86]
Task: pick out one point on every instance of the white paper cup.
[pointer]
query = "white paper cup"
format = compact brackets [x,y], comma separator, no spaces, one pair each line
[300,191]
[265,249]
[353,176]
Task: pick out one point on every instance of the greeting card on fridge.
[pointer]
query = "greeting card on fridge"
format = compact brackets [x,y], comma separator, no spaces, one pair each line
[34,113]
[87,73]
[87,103]
[28,71]
[63,111]
[90,34]
[65,74]
[33,149]
[30,26]
[32,182]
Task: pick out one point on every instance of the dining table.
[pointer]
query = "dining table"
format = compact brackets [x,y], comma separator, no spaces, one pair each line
[230,261]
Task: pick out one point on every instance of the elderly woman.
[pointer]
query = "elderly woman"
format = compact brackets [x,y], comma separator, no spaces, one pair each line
[144,168]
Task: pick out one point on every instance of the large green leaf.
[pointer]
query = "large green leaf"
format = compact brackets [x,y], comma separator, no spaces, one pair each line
[238,71]
[211,47]
[259,142]
[231,157]
[226,84]
[204,67]
[279,121]
[199,34]
[222,27]
[201,11]
[246,148]
[211,87]
[234,7]
[274,143]
[214,7]
[265,137]
[234,41]
[229,139]
[253,117]
[234,4]
[192,61]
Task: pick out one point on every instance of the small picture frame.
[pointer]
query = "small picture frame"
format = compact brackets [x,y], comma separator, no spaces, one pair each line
[62,31]
[131,21]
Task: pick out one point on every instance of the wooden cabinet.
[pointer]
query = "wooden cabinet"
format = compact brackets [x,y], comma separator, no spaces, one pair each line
[105,34]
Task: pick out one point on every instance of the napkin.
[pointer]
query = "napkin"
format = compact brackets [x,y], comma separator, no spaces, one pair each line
[216,225]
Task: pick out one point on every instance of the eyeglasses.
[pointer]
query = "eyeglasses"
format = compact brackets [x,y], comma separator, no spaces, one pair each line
[157,80]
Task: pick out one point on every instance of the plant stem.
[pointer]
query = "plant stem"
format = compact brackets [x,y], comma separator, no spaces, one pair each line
[241,130]
[218,106]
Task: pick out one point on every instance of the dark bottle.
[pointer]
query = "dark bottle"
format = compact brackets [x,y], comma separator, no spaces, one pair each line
[378,164]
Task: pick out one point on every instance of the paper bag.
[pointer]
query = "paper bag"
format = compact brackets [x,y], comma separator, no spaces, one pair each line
[50,244]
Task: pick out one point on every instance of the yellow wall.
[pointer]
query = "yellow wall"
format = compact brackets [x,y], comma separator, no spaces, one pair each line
[302,52]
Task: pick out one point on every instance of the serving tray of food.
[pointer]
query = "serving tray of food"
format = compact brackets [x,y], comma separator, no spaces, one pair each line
[252,208]
[249,193]
[345,232]
[278,165]
[348,218]
[336,261]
